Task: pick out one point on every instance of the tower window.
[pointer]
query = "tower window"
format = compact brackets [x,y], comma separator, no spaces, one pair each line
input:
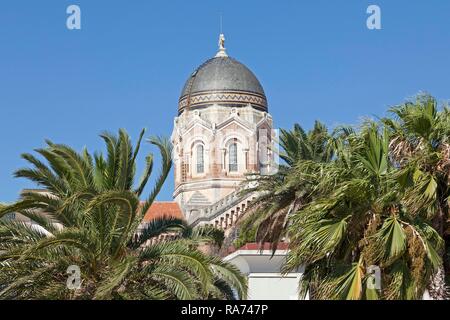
[200,159]
[233,158]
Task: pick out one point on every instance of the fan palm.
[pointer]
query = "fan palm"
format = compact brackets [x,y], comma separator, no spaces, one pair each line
[358,218]
[420,147]
[89,216]
[285,192]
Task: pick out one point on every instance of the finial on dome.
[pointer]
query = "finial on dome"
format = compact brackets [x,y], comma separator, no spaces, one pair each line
[222,51]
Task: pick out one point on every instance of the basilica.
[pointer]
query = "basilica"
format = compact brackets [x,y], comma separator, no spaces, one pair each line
[222,111]
[222,134]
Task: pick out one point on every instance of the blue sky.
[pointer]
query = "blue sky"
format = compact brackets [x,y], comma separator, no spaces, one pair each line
[125,68]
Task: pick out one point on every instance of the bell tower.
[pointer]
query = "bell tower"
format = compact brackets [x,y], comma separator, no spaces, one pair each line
[222,120]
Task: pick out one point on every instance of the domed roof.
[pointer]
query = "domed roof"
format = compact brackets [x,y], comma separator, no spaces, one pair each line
[225,81]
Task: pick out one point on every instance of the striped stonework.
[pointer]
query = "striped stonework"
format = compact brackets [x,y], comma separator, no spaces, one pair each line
[234,98]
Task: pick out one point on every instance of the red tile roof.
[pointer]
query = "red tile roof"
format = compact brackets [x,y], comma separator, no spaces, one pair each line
[163,209]
[254,246]
[266,246]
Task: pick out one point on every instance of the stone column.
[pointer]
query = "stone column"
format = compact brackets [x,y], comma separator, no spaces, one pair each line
[231,219]
[227,220]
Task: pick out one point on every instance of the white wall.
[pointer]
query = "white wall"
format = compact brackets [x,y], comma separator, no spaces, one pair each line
[263,273]
[273,286]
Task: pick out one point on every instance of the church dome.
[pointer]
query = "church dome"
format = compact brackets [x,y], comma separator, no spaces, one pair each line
[222,80]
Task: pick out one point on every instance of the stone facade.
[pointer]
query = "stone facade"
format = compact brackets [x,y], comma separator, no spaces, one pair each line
[214,149]
[222,134]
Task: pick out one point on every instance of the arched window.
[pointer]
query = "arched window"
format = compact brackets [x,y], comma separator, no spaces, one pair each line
[233,157]
[200,159]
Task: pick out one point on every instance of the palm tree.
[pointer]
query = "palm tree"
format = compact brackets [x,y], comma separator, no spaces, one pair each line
[420,148]
[283,193]
[358,219]
[366,200]
[89,216]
